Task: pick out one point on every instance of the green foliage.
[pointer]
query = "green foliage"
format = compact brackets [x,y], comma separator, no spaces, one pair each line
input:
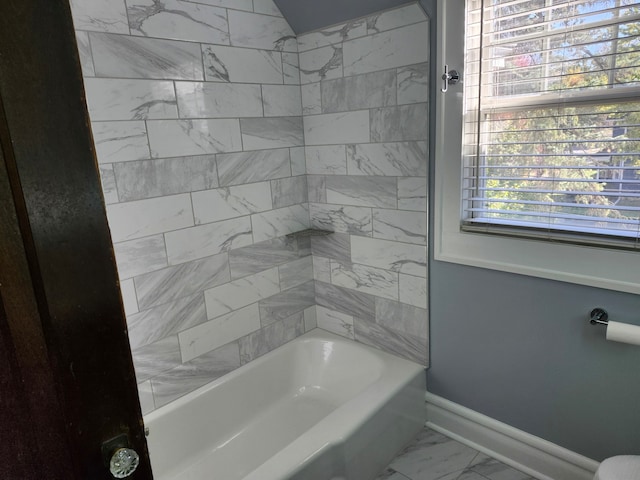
[571,154]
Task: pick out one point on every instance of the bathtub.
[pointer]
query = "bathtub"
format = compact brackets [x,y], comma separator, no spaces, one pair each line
[320,407]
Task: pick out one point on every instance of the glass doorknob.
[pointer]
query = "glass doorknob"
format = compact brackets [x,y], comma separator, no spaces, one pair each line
[124,462]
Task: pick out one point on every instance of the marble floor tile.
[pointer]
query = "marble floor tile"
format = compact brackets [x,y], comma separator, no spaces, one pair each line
[390,474]
[491,468]
[434,456]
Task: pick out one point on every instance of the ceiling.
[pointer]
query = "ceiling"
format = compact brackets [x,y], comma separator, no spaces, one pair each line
[307,15]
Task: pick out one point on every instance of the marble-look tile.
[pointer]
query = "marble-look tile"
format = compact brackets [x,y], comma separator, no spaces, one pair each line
[134,57]
[375,89]
[282,100]
[397,124]
[289,191]
[390,474]
[241,292]
[277,132]
[336,246]
[365,279]
[332,35]
[402,317]
[108,182]
[205,240]
[321,269]
[310,318]
[343,219]
[156,358]
[84,51]
[140,256]
[337,128]
[218,100]
[317,188]
[261,31]
[401,226]
[398,17]
[179,281]
[267,7]
[298,161]
[391,49]
[145,394]
[154,324]
[413,84]
[335,322]
[344,300]
[468,475]
[221,330]
[326,160]
[246,5]
[241,65]
[278,222]
[230,202]
[173,138]
[100,15]
[402,159]
[295,273]
[291,68]
[392,341]
[178,20]
[262,256]
[311,98]
[120,141]
[394,256]
[124,99]
[194,374]
[249,167]
[322,64]
[282,305]
[147,217]
[271,337]
[413,290]
[412,193]
[165,176]
[432,456]
[129,300]
[487,467]
[362,191]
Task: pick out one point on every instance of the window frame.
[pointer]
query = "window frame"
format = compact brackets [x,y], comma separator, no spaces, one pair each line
[595,266]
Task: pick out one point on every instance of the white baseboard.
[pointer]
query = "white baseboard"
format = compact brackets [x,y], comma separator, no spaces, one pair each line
[534,456]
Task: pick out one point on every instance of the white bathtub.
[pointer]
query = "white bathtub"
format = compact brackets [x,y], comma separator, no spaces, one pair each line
[320,407]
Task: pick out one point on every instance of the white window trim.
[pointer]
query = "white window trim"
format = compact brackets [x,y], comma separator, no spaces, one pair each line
[594,266]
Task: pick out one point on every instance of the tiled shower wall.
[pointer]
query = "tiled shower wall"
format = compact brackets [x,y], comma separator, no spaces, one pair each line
[196,111]
[364,95]
[197,120]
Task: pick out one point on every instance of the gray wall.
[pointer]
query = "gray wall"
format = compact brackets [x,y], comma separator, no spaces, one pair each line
[519,349]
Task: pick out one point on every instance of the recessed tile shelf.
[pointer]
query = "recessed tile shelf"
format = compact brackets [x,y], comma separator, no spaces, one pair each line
[309,232]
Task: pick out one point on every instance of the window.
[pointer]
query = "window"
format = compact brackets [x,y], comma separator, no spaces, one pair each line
[551,139]
[552,120]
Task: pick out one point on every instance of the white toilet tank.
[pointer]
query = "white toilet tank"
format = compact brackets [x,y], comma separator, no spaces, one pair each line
[623,467]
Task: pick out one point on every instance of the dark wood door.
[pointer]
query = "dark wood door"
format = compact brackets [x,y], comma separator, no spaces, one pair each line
[67,382]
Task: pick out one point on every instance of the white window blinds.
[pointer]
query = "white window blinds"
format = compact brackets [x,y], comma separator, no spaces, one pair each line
[552,120]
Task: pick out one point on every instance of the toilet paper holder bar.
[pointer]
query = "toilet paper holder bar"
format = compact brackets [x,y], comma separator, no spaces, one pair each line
[599,316]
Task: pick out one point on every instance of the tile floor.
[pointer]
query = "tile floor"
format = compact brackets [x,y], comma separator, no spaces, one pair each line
[433,456]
